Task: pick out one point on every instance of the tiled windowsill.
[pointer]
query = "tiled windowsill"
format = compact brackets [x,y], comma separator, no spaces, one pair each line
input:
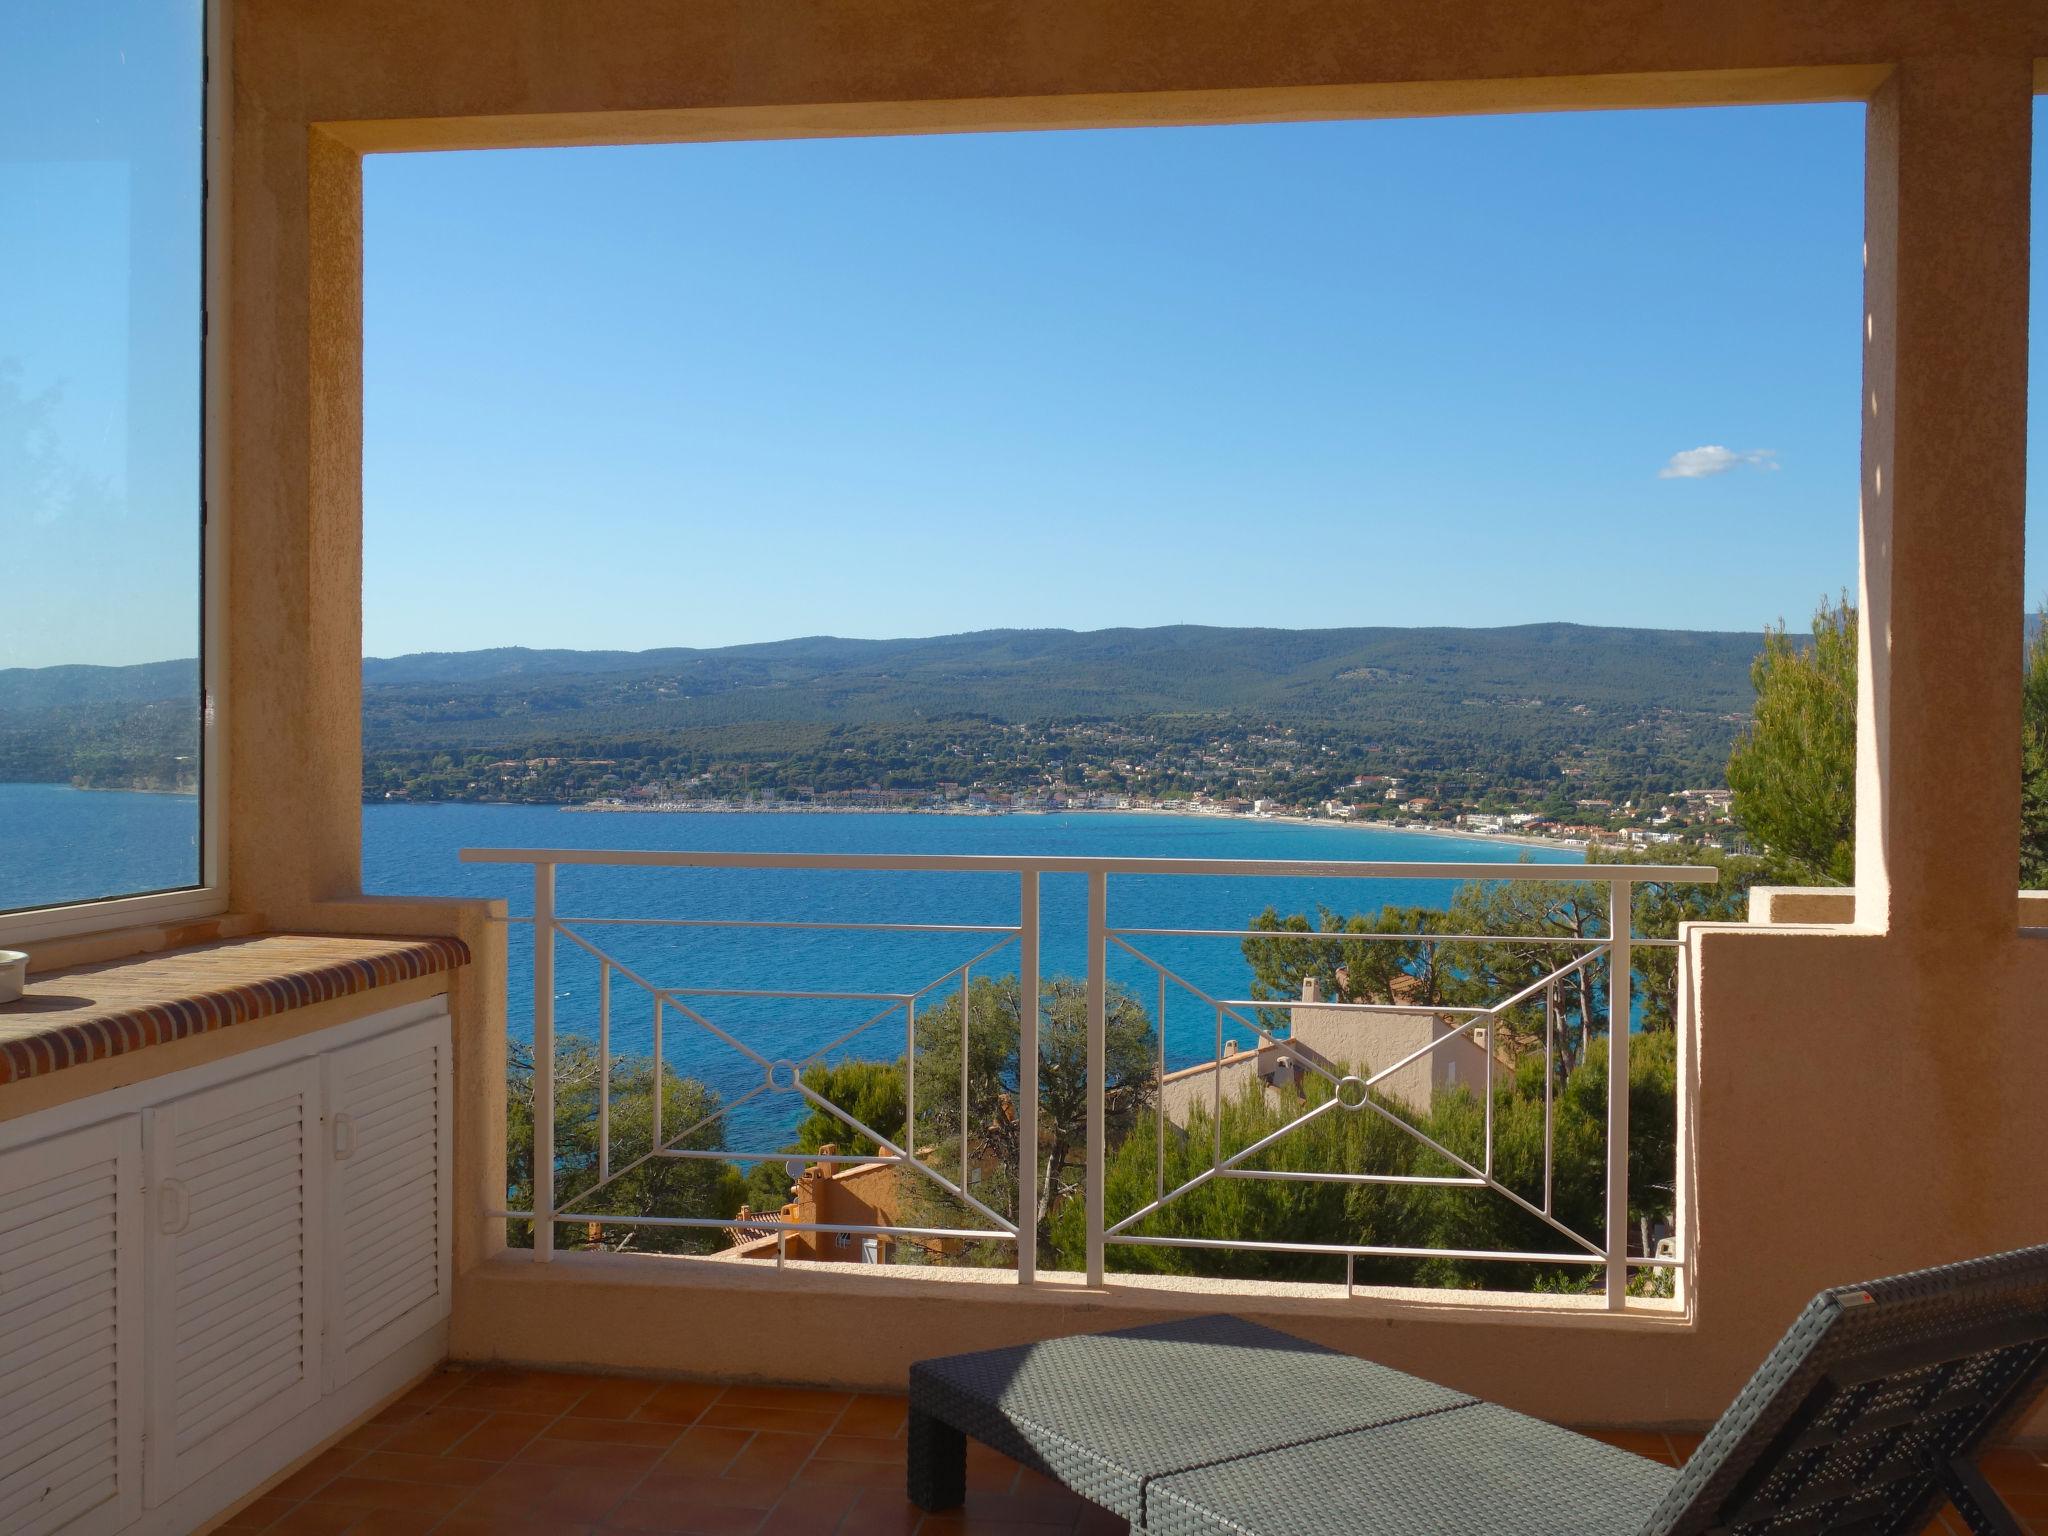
[85,1015]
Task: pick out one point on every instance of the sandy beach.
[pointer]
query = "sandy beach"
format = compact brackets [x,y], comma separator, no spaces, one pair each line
[727,808]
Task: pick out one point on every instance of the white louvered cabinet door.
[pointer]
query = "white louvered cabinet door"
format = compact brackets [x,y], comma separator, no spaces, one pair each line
[233,1235]
[70,1330]
[389,1104]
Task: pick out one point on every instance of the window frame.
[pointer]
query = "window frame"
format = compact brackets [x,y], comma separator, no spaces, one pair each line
[209,897]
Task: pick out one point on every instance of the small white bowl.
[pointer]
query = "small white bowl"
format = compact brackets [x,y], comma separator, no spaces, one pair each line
[13,974]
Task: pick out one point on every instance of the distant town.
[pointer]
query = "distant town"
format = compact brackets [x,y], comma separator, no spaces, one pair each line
[1559,733]
[1693,816]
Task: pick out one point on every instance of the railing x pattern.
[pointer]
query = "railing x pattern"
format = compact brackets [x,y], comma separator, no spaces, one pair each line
[1349,1092]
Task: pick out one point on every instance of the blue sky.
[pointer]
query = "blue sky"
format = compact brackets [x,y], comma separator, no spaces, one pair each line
[1422,372]
[99,332]
[1352,373]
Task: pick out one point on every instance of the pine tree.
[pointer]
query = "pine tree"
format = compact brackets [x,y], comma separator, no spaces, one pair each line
[2034,761]
[1794,770]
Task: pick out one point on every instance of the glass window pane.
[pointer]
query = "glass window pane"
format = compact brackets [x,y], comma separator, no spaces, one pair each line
[100,400]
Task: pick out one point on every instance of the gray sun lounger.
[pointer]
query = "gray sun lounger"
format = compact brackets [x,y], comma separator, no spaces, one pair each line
[1869,1414]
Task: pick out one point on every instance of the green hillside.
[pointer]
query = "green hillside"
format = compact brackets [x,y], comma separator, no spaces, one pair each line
[1558,705]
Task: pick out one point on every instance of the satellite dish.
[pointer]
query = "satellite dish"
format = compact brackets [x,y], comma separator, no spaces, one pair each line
[794,1168]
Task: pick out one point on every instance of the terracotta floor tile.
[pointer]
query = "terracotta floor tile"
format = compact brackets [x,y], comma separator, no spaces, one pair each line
[257,1515]
[689,1488]
[2016,1471]
[988,1470]
[603,1455]
[779,1522]
[618,1398]
[583,1382]
[773,1457]
[617,1431]
[871,1414]
[801,1421]
[406,1467]
[429,1392]
[536,1494]
[1057,1507]
[500,1436]
[459,1524]
[316,1520]
[678,1402]
[819,1503]
[316,1474]
[520,1399]
[704,1449]
[644,1514]
[367,1437]
[396,1522]
[432,1432]
[853,1474]
[882,1514]
[786,1397]
[491,1375]
[861,1448]
[385,1493]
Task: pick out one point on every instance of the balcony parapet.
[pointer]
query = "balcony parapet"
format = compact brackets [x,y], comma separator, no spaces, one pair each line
[1835,906]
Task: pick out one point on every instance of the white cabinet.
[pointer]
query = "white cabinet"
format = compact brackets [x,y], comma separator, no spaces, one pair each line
[205,1275]
[234,1268]
[70,1303]
[388,1219]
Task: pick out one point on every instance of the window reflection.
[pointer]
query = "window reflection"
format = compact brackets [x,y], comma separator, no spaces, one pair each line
[101,222]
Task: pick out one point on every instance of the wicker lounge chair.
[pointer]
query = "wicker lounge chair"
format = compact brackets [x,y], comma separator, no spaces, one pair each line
[1869,1414]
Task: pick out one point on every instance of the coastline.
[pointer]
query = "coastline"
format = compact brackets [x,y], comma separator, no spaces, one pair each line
[100,789]
[709,808]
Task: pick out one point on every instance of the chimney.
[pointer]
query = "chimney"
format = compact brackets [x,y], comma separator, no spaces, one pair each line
[1311,989]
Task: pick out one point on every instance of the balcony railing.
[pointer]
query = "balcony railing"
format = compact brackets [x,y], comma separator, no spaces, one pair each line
[1327,1086]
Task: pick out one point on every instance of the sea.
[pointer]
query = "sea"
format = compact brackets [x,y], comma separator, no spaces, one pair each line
[65,841]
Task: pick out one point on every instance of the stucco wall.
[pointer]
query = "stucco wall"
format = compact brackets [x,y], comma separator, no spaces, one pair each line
[1856,1100]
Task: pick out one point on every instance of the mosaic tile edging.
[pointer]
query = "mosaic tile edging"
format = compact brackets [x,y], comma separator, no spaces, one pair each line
[120,1030]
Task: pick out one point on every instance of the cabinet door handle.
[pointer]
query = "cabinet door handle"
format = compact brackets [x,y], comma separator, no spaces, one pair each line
[173,1207]
[344,1135]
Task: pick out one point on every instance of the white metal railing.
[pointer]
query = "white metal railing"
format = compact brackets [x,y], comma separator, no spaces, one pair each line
[1348,1092]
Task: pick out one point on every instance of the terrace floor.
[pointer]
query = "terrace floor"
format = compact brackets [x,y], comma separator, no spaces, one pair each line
[528,1453]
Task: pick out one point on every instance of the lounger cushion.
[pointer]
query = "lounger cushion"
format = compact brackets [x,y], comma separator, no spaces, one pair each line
[1474,1470]
[1109,1413]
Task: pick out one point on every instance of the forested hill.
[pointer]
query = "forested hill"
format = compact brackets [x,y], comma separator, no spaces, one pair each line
[1044,674]
[1568,705]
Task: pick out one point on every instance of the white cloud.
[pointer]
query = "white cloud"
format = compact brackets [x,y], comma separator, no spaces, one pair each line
[1698,463]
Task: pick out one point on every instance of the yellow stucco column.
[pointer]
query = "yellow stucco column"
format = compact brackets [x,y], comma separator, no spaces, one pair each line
[295,532]
[1943,497]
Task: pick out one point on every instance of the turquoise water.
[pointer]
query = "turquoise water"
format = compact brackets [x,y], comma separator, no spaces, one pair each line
[412,849]
[65,844]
